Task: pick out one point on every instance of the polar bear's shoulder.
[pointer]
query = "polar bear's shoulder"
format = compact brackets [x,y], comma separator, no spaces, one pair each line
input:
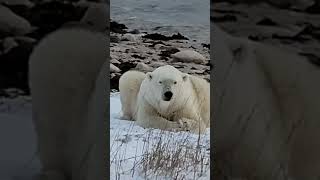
[199,84]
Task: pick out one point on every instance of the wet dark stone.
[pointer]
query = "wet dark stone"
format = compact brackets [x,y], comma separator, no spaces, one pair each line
[314,9]
[225,18]
[205,45]
[137,56]
[14,68]
[157,36]
[312,58]
[168,52]
[126,66]
[118,27]
[266,22]
[49,16]
[114,39]
[135,31]
[114,81]
[155,43]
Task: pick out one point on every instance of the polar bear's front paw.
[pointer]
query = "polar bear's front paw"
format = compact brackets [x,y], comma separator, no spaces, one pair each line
[185,124]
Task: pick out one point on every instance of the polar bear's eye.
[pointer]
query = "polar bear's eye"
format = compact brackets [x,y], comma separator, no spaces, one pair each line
[175,82]
[160,82]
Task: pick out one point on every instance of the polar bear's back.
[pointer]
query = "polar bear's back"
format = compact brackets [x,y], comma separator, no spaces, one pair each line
[67,52]
[129,87]
[64,65]
[202,90]
[63,69]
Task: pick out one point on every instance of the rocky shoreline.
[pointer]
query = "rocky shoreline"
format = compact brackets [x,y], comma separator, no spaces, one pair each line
[22,24]
[30,21]
[296,31]
[142,51]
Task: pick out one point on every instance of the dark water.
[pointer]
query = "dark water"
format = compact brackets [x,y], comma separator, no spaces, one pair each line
[189,17]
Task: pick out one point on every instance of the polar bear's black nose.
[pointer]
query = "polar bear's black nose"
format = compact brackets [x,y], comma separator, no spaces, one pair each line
[168,95]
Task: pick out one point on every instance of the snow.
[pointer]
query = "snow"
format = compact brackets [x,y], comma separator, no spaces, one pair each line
[18,151]
[129,143]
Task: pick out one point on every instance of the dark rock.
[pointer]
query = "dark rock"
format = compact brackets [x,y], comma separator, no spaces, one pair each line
[310,30]
[314,9]
[157,36]
[126,66]
[311,58]
[114,39]
[124,39]
[137,56]
[266,22]
[49,16]
[209,64]
[164,58]
[14,68]
[207,71]
[230,18]
[290,38]
[135,31]
[155,43]
[168,52]
[114,81]
[117,27]
[205,45]
[179,36]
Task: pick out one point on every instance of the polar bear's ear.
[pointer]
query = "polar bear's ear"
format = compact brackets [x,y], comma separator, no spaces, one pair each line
[149,75]
[185,77]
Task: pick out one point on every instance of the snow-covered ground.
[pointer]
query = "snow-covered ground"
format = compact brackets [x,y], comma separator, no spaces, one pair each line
[18,159]
[136,153]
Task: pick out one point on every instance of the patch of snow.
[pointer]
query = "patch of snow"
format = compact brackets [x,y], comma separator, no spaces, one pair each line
[129,143]
[18,159]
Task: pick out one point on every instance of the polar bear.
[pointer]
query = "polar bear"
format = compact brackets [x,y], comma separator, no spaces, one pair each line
[266,111]
[166,99]
[68,88]
[129,86]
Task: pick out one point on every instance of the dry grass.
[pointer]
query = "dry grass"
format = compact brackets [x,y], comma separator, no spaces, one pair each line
[161,155]
[175,158]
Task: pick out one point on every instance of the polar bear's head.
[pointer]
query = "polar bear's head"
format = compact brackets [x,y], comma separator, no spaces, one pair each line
[167,84]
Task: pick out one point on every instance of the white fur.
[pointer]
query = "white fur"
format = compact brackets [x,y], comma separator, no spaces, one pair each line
[266,111]
[129,86]
[189,108]
[68,87]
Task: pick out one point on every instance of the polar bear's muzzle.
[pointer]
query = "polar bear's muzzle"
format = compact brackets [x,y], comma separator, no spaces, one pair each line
[167,93]
[167,96]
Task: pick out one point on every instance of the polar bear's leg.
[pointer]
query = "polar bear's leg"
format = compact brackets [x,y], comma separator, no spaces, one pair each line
[125,113]
[194,126]
[147,119]
[48,141]
[158,122]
